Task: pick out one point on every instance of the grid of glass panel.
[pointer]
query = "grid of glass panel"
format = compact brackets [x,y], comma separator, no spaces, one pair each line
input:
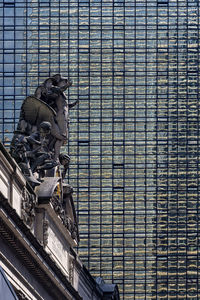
[134,137]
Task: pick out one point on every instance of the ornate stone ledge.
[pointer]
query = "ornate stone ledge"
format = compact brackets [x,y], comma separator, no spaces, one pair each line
[68,222]
[28,204]
[31,254]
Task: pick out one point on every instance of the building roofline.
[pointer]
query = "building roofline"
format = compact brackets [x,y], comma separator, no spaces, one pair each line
[35,257]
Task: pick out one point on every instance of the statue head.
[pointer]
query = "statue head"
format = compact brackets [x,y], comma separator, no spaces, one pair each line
[61,82]
[45,128]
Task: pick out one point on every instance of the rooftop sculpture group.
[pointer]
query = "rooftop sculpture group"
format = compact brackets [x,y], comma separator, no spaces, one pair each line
[43,129]
[41,132]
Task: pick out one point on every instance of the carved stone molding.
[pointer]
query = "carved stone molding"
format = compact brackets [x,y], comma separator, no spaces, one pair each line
[66,220]
[45,232]
[21,295]
[71,269]
[28,202]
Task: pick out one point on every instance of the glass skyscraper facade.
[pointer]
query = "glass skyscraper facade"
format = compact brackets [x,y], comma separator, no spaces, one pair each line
[134,137]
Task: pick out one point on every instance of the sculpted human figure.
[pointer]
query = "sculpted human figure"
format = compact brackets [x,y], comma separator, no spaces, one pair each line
[41,132]
[33,153]
[64,161]
[52,92]
[43,129]
[42,157]
[22,152]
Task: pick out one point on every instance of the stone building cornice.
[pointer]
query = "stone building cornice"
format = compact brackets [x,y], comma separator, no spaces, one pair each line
[32,254]
[37,237]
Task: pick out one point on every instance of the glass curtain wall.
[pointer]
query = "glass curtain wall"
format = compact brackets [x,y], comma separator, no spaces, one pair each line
[134,136]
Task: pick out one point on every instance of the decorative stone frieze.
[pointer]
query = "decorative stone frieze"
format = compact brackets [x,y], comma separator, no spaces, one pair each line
[28,202]
[66,220]
[71,268]
[45,232]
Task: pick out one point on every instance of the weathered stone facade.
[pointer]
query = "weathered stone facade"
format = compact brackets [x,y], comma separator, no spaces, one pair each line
[37,241]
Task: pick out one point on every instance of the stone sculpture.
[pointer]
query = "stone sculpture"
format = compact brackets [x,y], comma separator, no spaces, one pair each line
[36,145]
[42,129]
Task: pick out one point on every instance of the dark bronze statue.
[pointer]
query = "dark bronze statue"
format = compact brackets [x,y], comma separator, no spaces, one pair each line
[42,130]
[36,146]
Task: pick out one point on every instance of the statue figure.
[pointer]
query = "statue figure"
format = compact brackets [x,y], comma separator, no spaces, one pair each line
[52,93]
[41,154]
[20,151]
[64,161]
[36,144]
[43,129]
